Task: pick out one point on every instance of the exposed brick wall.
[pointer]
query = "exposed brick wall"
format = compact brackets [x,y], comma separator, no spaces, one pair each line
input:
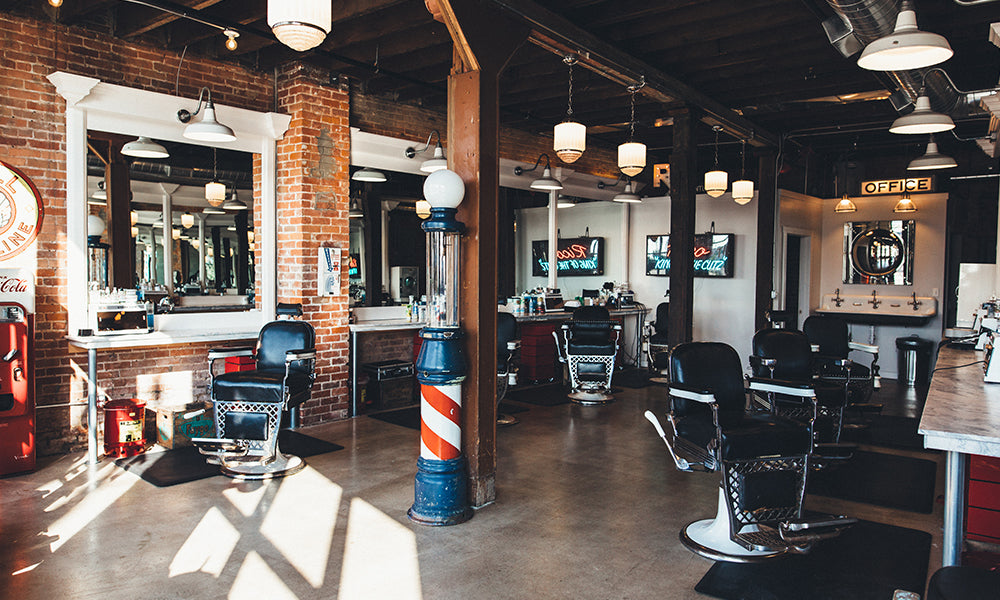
[313,194]
[383,116]
[376,346]
[32,138]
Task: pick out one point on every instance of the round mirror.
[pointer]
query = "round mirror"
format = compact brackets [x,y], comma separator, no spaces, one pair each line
[877,252]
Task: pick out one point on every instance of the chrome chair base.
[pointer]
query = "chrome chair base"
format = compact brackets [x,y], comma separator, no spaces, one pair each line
[590,398]
[282,465]
[712,539]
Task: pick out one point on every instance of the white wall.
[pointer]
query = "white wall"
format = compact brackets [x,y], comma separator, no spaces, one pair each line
[723,308]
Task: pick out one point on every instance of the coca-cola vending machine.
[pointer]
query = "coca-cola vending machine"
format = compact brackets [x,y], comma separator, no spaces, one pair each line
[17,376]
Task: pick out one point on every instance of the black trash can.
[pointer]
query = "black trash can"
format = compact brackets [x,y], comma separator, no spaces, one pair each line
[914,360]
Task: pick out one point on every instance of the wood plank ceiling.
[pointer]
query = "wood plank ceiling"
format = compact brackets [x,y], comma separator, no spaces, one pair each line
[767,60]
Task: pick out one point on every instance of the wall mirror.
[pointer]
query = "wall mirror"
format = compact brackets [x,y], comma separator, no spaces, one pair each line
[879,252]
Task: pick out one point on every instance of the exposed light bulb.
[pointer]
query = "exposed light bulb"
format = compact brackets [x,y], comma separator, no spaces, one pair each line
[231,36]
[55,3]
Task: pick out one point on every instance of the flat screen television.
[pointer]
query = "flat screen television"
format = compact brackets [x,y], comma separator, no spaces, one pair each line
[713,255]
[575,256]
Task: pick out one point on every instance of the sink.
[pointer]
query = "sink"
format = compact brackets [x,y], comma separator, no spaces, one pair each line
[892,310]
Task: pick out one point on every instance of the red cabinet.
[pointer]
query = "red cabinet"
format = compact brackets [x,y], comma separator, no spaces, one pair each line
[539,361]
[982,517]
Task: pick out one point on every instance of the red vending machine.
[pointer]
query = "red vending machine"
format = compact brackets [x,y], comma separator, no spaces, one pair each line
[17,372]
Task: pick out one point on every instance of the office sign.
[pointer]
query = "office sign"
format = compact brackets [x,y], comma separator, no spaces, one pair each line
[713,255]
[896,186]
[575,256]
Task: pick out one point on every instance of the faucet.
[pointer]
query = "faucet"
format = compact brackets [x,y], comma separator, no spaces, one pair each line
[874,301]
[915,303]
[837,299]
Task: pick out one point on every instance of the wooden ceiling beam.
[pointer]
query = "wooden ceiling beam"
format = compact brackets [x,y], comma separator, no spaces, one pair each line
[136,19]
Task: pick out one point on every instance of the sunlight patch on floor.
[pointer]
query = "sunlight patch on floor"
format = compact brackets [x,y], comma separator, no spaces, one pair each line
[102,490]
[208,548]
[245,501]
[380,557]
[257,580]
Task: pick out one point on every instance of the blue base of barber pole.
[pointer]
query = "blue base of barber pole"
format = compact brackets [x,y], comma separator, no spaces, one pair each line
[439,493]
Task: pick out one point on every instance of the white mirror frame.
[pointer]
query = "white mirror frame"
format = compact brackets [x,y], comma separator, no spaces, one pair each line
[92,104]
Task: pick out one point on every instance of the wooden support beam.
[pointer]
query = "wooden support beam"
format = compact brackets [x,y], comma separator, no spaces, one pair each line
[767,203]
[683,161]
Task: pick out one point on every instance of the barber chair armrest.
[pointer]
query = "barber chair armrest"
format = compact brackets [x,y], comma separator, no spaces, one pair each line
[801,389]
[869,348]
[691,393]
[513,344]
[814,348]
[762,362]
[217,353]
[294,355]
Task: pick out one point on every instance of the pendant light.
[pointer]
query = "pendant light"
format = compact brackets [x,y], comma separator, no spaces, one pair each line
[235,203]
[144,148]
[208,129]
[632,154]
[187,220]
[368,175]
[569,137]
[299,24]
[845,205]
[423,208]
[212,210]
[923,119]
[907,47]
[743,187]
[354,211]
[215,192]
[547,182]
[932,159]
[716,180]
[565,202]
[905,204]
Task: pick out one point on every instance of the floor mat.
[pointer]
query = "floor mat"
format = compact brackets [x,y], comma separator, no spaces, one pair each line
[867,562]
[889,432]
[544,395]
[407,417]
[631,378]
[884,479]
[185,464]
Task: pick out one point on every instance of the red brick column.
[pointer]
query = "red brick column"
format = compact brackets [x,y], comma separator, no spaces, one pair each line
[312,203]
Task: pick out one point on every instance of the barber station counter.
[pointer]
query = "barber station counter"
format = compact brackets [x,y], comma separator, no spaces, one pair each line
[962,417]
[565,315]
[93,343]
[368,327]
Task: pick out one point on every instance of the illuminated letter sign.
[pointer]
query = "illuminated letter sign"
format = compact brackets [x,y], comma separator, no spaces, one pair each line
[713,255]
[575,256]
[896,186]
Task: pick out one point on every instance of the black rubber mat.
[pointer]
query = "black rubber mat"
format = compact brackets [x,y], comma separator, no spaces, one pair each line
[542,395]
[406,417]
[888,432]
[869,561]
[182,465]
[884,479]
[631,378]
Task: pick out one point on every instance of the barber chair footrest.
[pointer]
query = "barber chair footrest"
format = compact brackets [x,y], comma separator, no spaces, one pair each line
[262,468]
[801,534]
[218,448]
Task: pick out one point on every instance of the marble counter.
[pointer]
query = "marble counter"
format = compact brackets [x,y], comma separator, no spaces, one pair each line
[962,412]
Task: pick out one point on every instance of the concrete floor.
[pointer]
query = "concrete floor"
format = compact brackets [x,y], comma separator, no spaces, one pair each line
[588,506]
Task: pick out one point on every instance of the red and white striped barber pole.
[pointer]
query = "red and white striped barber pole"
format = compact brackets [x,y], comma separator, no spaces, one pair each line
[440,421]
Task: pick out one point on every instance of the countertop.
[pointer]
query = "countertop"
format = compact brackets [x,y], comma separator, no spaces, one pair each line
[386,325]
[157,338]
[962,412]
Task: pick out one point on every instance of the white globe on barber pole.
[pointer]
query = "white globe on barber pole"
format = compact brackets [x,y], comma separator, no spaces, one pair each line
[444,189]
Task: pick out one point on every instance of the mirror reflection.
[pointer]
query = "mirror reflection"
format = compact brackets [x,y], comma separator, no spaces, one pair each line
[179,228]
[879,252]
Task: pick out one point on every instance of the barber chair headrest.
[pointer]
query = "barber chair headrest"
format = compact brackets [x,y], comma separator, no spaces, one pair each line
[591,313]
[288,310]
[829,333]
[790,348]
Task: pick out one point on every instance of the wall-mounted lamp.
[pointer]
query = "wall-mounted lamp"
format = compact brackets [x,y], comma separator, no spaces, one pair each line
[932,159]
[145,148]
[234,203]
[208,129]
[212,210]
[716,180]
[632,154]
[906,47]
[547,181]
[565,202]
[569,138]
[628,195]
[299,24]
[368,175]
[905,204]
[435,163]
[100,197]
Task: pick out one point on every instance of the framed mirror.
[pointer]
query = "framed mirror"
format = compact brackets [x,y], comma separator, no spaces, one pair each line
[879,252]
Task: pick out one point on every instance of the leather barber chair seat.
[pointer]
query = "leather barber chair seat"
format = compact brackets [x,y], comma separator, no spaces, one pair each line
[763,459]
[589,345]
[832,337]
[657,345]
[507,346]
[964,583]
[249,404]
[785,357]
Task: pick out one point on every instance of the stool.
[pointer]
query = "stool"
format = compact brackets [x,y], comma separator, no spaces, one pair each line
[964,583]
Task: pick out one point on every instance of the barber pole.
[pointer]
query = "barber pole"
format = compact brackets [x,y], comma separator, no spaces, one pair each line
[441,484]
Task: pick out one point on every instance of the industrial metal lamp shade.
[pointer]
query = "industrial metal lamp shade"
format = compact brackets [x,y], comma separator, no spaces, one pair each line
[906,48]
[208,129]
[215,193]
[632,158]
[564,202]
[922,120]
[436,163]
[742,191]
[716,183]
[369,175]
[547,182]
[144,148]
[570,141]
[235,203]
[845,206]
[932,159]
[355,212]
[212,210]
[905,205]
[627,196]
[299,24]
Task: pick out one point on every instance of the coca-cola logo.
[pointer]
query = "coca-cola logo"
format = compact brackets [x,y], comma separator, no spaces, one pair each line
[12,285]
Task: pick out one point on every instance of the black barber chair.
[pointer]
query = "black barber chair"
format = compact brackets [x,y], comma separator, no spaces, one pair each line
[657,344]
[763,458]
[249,404]
[507,346]
[589,345]
[833,338]
[785,356]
